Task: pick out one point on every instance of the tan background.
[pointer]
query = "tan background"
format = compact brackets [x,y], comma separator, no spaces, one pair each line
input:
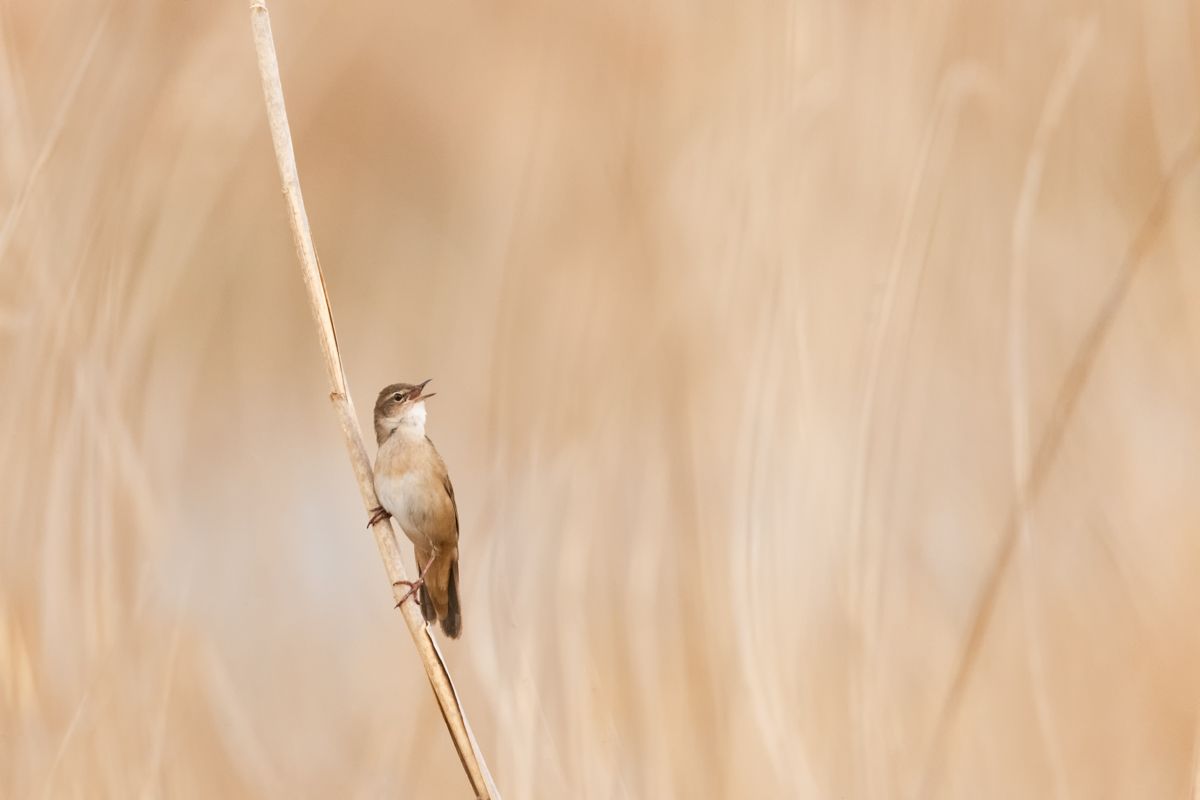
[746,320]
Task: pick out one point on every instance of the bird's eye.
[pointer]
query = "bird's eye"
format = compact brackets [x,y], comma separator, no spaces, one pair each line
[396,397]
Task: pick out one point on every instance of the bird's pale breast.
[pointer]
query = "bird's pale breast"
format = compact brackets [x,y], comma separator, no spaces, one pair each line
[408,481]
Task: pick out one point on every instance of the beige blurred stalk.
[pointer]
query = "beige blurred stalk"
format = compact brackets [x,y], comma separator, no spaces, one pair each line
[435,666]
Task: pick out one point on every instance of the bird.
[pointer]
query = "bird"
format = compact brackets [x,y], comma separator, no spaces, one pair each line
[413,487]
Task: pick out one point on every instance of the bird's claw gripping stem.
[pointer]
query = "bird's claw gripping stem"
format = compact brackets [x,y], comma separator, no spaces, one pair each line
[413,586]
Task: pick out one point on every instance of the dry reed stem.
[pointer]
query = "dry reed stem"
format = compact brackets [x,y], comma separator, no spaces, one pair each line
[314,282]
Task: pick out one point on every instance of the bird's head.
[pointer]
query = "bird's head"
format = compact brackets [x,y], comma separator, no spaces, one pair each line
[401,404]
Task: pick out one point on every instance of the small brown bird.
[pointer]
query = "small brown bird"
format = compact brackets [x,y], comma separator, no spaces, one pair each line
[413,486]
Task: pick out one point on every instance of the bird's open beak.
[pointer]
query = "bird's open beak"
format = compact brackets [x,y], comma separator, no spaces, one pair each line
[420,395]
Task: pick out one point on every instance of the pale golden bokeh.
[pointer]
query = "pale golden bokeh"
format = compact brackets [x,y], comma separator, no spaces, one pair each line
[748,323]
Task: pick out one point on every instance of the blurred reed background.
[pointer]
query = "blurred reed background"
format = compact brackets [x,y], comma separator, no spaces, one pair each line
[747,321]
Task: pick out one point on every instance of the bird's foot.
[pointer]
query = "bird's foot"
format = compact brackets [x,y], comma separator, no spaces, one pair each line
[378,513]
[413,588]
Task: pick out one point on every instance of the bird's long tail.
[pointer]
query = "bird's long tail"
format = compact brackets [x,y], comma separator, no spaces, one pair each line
[442,585]
[452,622]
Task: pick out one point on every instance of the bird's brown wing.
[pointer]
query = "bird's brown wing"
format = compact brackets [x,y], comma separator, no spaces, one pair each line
[444,474]
[450,491]
[443,580]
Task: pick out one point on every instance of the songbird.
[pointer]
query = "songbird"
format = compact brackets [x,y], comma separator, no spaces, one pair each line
[414,487]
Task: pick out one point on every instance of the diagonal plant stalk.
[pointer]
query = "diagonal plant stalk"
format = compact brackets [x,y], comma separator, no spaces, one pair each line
[314,282]
[1044,458]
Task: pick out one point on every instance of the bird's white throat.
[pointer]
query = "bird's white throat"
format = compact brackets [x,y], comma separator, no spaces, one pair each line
[413,419]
